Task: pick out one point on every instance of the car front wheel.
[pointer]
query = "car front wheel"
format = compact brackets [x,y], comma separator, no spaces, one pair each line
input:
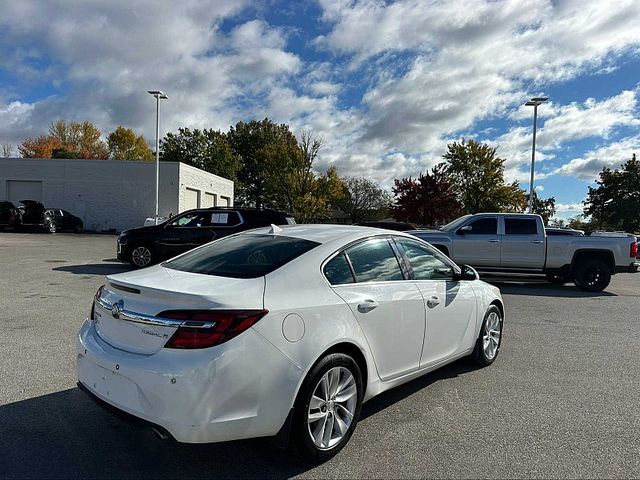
[490,338]
[141,256]
[52,227]
[327,408]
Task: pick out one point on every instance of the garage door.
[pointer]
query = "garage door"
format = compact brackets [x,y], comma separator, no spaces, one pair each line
[209,200]
[224,202]
[24,190]
[191,199]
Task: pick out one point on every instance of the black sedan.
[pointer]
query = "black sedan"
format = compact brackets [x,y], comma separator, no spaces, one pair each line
[58,220]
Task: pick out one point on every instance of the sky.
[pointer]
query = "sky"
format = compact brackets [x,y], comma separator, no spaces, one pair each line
[386,85]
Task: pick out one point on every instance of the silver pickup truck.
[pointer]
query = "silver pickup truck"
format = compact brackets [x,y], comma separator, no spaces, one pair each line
[518,243]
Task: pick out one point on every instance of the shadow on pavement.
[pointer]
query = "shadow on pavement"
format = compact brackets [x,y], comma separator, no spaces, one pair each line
[538,288]
[95,268]
[397,394]
[66,435]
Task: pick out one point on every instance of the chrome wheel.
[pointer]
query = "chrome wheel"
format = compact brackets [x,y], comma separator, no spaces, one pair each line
[491,337]
[52,227]
[332,408]
[141,256]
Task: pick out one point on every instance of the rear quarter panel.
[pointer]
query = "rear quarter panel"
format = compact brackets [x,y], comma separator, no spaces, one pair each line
[302,303]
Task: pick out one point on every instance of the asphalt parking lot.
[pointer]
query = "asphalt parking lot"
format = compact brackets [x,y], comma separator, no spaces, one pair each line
[560,401]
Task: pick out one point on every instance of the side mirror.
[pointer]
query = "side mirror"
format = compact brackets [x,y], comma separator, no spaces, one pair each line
[464,230]
[467,273]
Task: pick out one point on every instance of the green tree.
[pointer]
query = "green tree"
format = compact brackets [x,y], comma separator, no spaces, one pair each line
[64,153]
[363,200]
[124,144]
[479,178]
[258,143]
[206,149]
[430,199]
[615,201]
[545,207]
[291,182]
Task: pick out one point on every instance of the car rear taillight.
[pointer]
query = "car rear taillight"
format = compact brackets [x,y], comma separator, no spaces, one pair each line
[93,304]
[195,334]
[633,251]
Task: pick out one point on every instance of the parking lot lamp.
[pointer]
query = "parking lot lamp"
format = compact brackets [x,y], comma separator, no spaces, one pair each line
[159,95]
[534,102]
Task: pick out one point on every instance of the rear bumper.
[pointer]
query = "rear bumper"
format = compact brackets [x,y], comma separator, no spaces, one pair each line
[241,389]
[631,268]
[121,413]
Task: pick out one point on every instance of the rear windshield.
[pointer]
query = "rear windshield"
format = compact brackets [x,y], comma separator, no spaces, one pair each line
[242,256]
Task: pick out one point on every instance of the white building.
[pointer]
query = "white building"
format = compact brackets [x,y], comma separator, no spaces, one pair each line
[111,194]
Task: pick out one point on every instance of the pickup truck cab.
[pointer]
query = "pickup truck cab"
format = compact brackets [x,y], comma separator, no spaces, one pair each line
[518,243]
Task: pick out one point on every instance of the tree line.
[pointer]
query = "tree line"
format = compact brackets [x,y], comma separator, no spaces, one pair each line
[271,167]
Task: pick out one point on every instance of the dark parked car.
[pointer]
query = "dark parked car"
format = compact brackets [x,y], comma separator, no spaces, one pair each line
[397,226]
[9,215]
[31,214]
[148,245]
[58,220]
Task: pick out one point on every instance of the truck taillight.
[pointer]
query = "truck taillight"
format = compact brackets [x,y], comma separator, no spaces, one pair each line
[226,325]
[633,251]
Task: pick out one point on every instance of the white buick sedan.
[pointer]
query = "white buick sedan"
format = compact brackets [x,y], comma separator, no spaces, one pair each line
[282,332]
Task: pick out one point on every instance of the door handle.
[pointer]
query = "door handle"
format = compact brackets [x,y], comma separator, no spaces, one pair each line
[494,241]
[536,241]
[433,302]
[367,306]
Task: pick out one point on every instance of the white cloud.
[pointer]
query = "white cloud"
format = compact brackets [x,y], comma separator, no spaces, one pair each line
[396,81]
[613,155]
[566,123]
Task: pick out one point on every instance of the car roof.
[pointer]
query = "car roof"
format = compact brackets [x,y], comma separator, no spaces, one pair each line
[326,233]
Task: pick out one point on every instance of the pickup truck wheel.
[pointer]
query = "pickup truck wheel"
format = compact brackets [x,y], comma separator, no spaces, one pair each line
[558,279]
[592,276]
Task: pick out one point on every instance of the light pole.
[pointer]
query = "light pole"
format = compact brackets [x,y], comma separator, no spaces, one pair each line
[159,95]
[534,102]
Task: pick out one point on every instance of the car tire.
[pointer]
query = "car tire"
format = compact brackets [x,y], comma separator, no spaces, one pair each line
[141,255]
[592,276]
[78,229]
[558,278]
[52,227]
[490,338]
[316,409]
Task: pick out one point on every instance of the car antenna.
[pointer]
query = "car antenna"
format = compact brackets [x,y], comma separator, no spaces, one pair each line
[275,229]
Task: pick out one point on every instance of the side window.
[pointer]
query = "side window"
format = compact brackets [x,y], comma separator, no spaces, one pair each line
[374,261]
[520,226]
[225,219]
[337,270]
[484,226]
[426,264]
[190,220]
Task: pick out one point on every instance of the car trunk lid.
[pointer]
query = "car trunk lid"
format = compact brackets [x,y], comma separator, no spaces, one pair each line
[126,312]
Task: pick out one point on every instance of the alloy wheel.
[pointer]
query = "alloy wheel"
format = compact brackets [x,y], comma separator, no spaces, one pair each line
[332,408]
[491,337]
[52,227]
[141,256]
